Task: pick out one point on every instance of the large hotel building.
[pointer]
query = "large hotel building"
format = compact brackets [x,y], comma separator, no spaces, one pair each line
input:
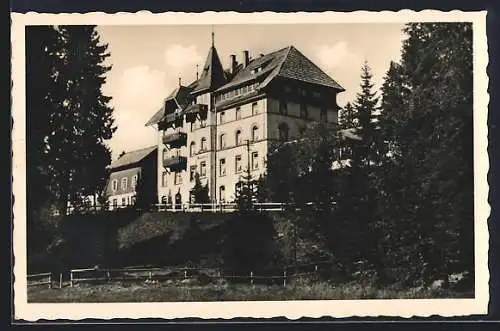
[228,120]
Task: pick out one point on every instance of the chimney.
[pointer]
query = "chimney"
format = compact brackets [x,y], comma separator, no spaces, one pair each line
[233,63]
[246,58]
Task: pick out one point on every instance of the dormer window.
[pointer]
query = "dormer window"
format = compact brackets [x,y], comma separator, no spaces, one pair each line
[256,70]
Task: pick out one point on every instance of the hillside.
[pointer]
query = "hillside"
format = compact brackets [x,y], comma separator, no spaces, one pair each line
[126,238]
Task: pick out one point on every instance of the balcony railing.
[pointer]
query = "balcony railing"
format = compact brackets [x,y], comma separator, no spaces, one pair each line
[175,163]
[193,110]
[169,120]
[175,140]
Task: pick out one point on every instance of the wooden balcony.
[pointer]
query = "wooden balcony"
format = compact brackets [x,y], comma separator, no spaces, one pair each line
[171,120]
[192,111]
[175,163]
[175,140]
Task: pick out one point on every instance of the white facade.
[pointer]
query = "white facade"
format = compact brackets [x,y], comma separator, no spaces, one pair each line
[218,152]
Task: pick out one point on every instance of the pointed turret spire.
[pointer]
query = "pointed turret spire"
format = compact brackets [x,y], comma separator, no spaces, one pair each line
[213,37]
[212,75]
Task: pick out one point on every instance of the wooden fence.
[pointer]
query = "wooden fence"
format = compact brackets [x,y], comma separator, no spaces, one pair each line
[99,276]
[192,207]
[40,279]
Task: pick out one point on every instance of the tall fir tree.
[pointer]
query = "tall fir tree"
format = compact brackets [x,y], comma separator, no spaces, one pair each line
[199,192]
[77,120]
[427,188]
[366,150]
[348,117]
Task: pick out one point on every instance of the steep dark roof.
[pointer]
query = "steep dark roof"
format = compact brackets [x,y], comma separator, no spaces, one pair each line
[181,96]
[287,63]
[212,75]
[269,62]
[132,157]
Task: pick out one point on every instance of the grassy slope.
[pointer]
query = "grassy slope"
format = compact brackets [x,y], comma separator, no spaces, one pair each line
[136,292]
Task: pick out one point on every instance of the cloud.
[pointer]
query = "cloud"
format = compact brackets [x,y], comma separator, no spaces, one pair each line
[137,95]
[333,56]
[179,57]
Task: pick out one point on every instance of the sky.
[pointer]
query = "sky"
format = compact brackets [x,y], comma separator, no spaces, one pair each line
[147,62]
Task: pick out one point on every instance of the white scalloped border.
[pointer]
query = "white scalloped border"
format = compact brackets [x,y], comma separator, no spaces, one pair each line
[266,309]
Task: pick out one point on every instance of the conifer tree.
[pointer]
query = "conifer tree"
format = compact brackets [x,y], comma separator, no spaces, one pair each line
[200,191]
[347,117]
[427,116]
[365,152]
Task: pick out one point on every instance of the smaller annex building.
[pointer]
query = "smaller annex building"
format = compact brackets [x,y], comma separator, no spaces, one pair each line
[132,179]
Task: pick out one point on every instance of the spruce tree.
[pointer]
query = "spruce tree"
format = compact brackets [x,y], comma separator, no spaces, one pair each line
[78,120]
[365,152]
[199,191]
[427,187]
[348,117]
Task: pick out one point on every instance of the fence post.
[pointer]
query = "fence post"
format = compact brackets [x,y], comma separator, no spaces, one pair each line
[150,275]
[60,280]
[284,277]
[70,278]
[185,272]
[218,273]
[316,268]
[251,277]
[108,278]
[50,280]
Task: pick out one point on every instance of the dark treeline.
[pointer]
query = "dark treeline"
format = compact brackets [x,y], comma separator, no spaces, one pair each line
[68,122]
[402,180]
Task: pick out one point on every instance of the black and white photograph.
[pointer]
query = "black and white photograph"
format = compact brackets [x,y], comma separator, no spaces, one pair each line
[256,166]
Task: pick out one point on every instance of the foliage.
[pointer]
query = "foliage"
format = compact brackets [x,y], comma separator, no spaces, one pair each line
[65,74]
[426,183]
[68,119]
[200,192]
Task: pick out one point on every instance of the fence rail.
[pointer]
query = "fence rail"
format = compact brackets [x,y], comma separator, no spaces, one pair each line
[40,279]
[192,207]
[92,275]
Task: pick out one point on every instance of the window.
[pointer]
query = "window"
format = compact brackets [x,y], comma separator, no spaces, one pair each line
[192,173]
[255,133]
[124,183]
[303,111]
[302,92]
[323,115]
[203,144]
[133,199]
[238,113]
[192,150]
[203,169]
[178,178]
[222,167]
[115,203]
[222,117]
[237,139]
[288,89]
[316,95]
[237,187]
[164,179]
[283,107]
[255,160]
[255,108]
[222,194]
[124,202]
[134,181]
[163,200]
[237,164]
[114,185]
[283,132]
[222,141]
